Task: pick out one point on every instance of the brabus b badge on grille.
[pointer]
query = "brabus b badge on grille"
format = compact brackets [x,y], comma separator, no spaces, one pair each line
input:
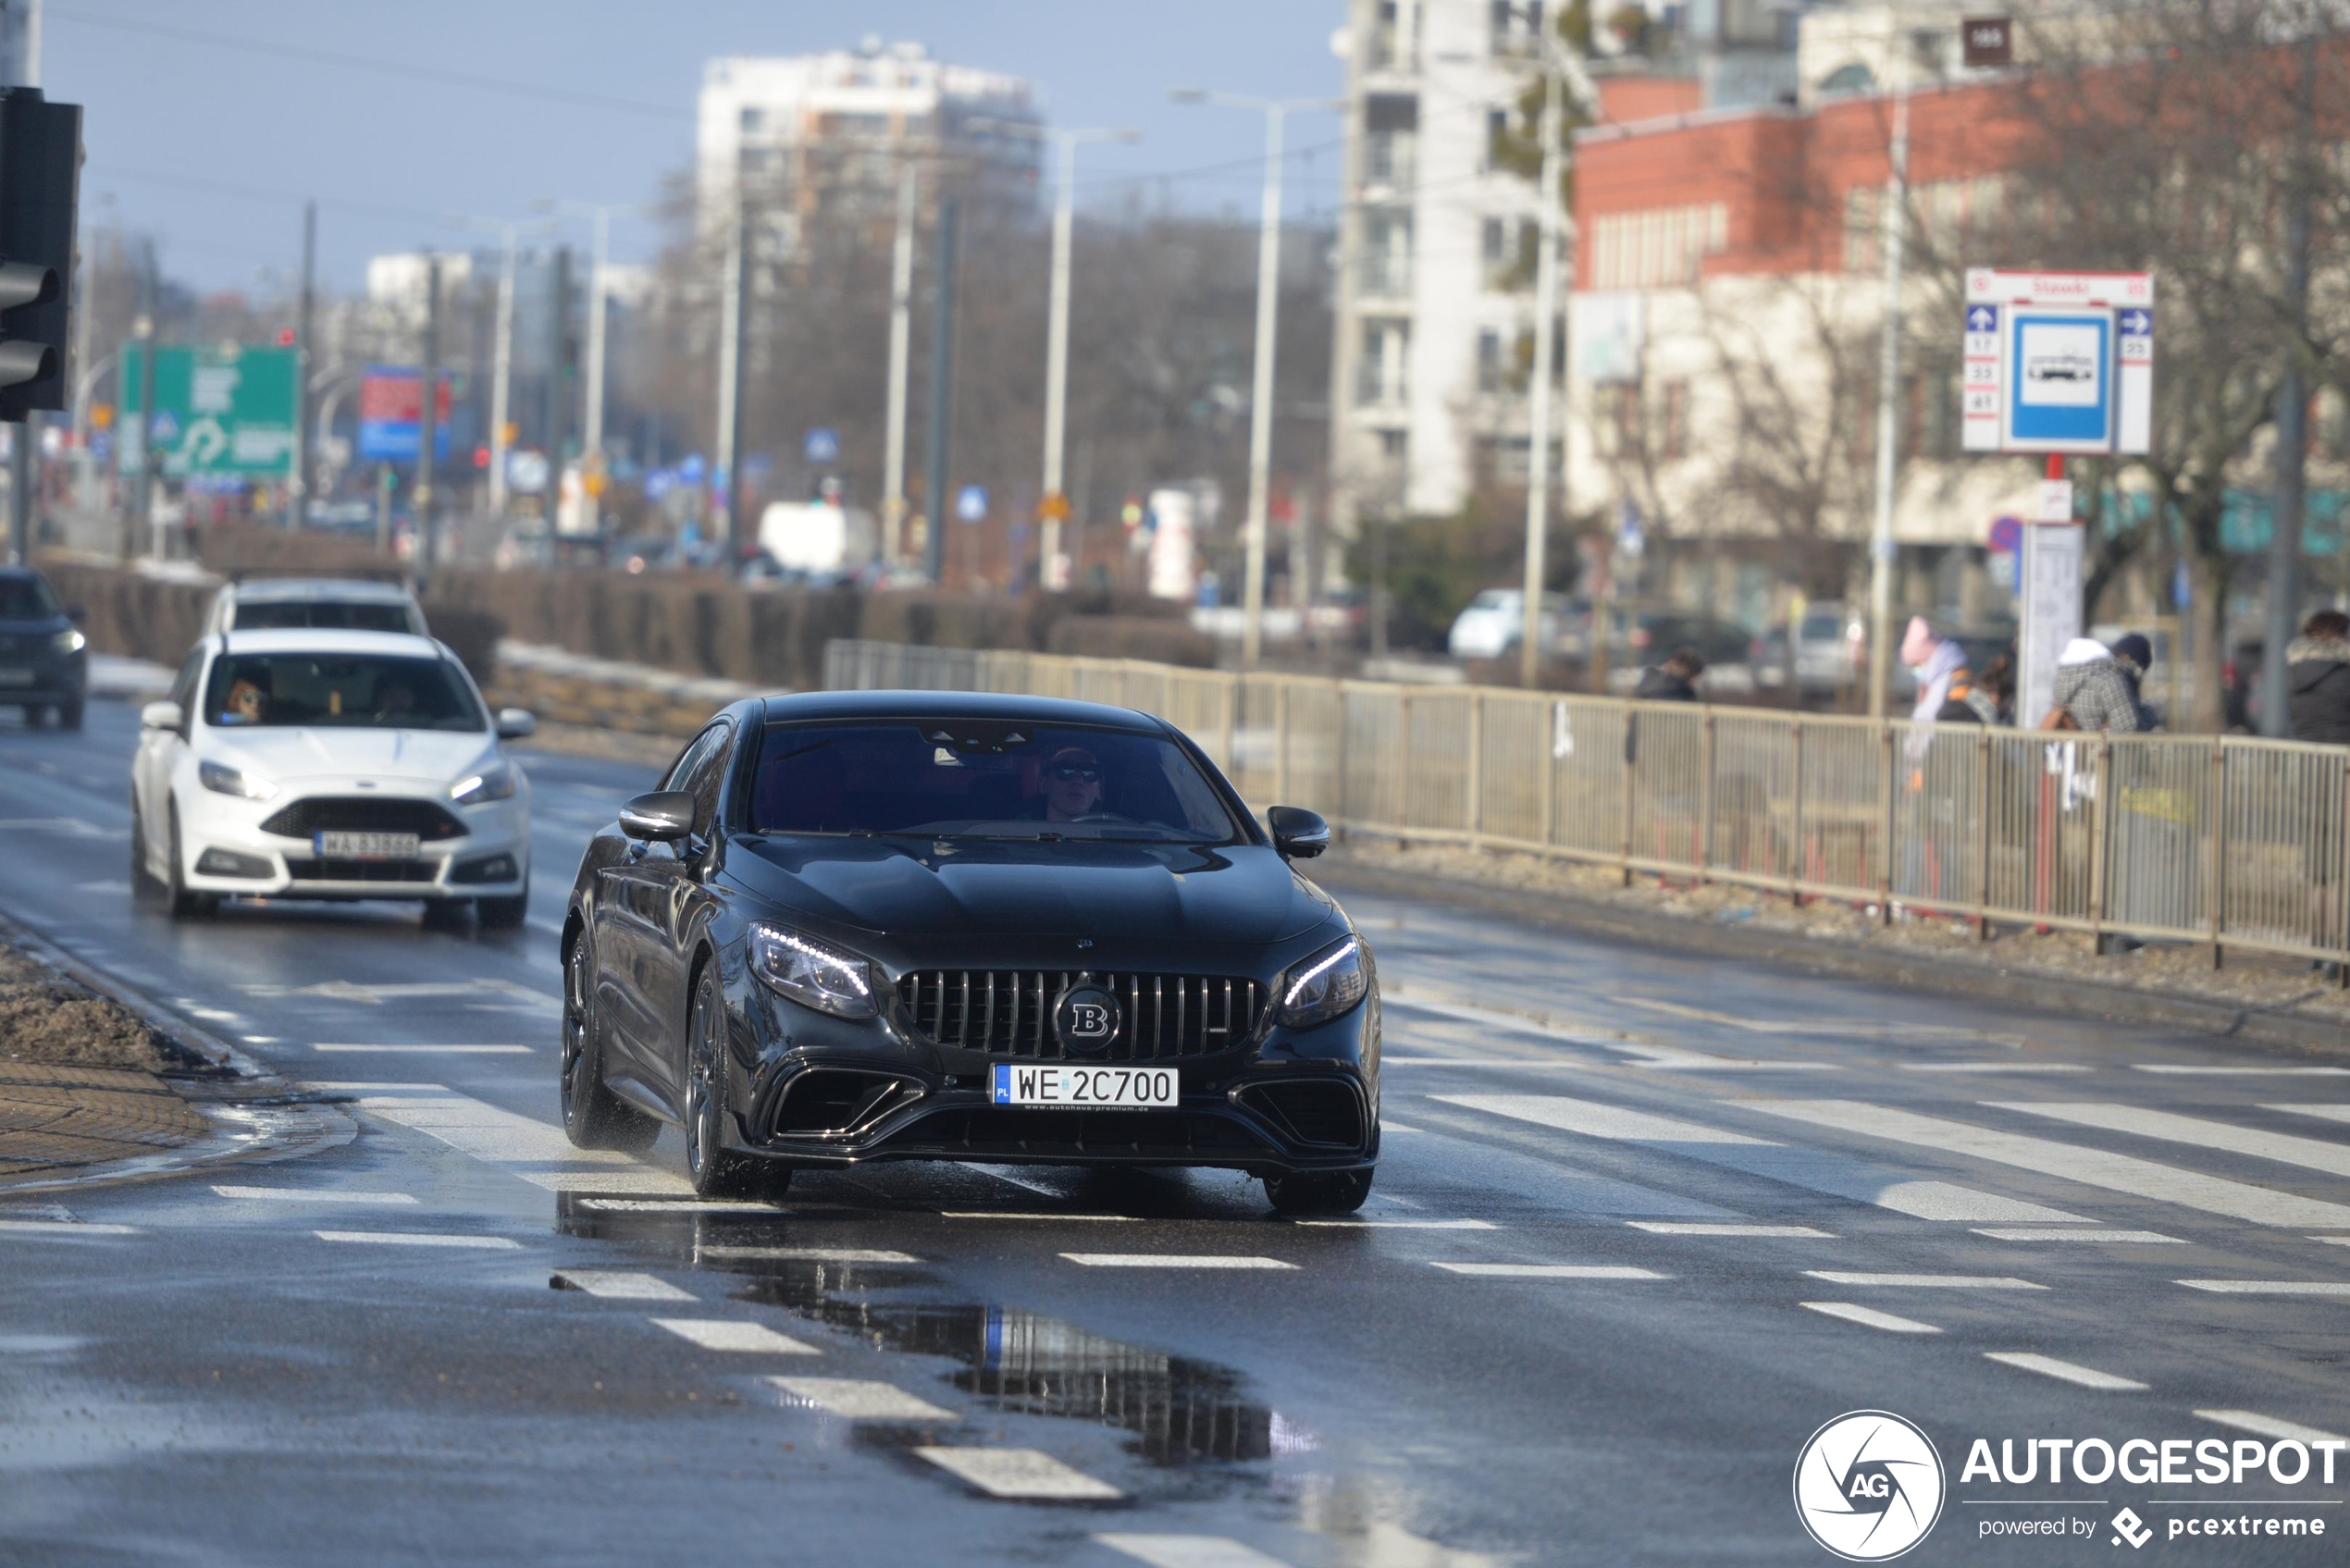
[1086,1020]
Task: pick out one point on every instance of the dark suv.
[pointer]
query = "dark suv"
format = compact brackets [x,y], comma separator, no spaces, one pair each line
[44,665]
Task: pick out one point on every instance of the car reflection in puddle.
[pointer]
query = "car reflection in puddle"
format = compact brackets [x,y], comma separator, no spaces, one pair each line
[1180,1411]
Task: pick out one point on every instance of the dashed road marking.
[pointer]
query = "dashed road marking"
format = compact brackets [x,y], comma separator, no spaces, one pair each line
[1551,1271]
[426,1050]
[1021,1473]
[1014,1213]
[1992,1067]
[1925,1281]
[1173,1260]
[682,1205]
[2055,1233]
[812,1254]
[1188,1551]
[618,1285]
[1680,1228]
[1401,1224]
[1594,1118]
[2270,1426]
[64,1228]
[2312,1153]
[2091,1167]
[1869,1317]
[421,1238]
[861,1398]
[2269,1287]
[2178,1071]
[2065,1371]
[729,1334]
[644,1179]
[310,1195]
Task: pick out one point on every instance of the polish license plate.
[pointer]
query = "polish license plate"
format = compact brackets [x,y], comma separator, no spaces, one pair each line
[16,677]
[364,845]
[1073,1087]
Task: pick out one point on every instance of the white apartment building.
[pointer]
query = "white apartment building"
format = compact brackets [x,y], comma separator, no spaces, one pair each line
[818,127]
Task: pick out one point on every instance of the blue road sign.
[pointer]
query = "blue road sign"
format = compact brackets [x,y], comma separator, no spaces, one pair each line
[822,445]
[1983,318]
[2137,323]
[2061,377]
[971,502]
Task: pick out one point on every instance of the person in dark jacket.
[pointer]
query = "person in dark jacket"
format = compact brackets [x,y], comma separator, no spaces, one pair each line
[2135,655]
[1673,681]
[2317,679]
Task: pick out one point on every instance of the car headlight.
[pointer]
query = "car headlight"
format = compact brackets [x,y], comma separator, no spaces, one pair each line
[221,779]
[812,972]
[479,789]
[66,641]
[1325,986]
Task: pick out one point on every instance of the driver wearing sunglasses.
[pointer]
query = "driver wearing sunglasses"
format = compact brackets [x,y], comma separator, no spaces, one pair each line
[1072,785]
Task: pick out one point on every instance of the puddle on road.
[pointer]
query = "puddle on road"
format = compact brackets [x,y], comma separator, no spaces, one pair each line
[1180,1411]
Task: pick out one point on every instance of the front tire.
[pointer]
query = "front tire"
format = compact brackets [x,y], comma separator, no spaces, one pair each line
[143,876]
[1313,1193]
[715,1170]
[186,904]
[69,715]
[506,913]
[593,1118]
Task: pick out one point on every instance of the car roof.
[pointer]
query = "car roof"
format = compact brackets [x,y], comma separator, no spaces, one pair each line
[305,639]
[802,706]
[357,590]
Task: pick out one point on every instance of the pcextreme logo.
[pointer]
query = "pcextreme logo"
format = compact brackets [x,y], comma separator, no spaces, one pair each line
[1869,1485]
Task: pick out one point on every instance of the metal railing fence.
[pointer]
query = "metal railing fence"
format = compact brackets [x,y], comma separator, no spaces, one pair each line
[2226,840]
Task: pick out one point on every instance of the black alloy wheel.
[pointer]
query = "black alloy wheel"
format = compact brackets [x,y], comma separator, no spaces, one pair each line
[1308,1193]
[593,1118]
[715,1170]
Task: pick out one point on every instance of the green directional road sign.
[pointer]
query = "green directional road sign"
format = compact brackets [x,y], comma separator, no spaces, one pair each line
[227,409]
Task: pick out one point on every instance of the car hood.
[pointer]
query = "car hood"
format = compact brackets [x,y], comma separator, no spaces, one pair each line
[1242,893]
[438,755]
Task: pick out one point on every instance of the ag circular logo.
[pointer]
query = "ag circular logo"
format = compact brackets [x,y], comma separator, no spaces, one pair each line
[1087,1020]
[1869,1485]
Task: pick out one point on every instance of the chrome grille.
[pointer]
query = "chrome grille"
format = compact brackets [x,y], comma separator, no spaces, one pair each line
[1010,1012]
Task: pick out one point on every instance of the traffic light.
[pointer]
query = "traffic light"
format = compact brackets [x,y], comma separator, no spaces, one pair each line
[40,188]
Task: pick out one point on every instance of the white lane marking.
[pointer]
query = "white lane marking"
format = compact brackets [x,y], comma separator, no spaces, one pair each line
[1384,1126]
[490,1134]
[2334,1240]
[2313,1154]
[2269,1287]
[2065,1371]
[1000,1174]
[1948,1201]
[1674,1058]
[1013,1213]
[373,1088]
[73,826]
[1021,1473]
[681,1206]
[1188,1551]
[1678,1228]
[1992,1067]
[348,991]
[1506,1063]
[2239,1072]
[1551,1271]
[421,1238]
[1869,1317]
[1414,1003]
[64,1228]
[1595,1120]
[2091,1167]
[1401,1224]
[310,1195]
[644,1180]
[1925,1281]
[2270,1426]
[2044,1233]
[426,1050]
[1172,1259]
[618,1285]
[2330,1112]
[859,1398]
[727,1334]
[812,1254]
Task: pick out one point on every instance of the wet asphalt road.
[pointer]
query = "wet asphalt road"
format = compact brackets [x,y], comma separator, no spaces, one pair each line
[1644,1222]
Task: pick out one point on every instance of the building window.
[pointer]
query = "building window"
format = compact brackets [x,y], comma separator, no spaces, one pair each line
[1387,254]
[1497,242]
[1497,127]
[1663,248]
[1489,362]
[753,121]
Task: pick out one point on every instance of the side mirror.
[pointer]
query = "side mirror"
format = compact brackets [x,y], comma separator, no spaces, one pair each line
[516,723]
[1298,835]
[161,716]
[663,816]
[78,613]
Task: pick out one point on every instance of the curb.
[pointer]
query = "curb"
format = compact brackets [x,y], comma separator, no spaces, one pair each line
[1942,975]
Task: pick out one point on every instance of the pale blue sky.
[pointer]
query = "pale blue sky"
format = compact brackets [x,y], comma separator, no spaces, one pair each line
[167,108]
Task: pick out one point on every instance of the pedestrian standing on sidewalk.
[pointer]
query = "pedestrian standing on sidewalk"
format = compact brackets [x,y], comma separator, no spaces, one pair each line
[2317,679]
[2135,655]
[2092,691]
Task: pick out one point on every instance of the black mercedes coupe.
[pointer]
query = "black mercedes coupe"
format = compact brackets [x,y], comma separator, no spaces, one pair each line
[856,926]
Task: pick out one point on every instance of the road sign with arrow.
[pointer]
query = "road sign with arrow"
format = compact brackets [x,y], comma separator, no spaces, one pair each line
[218,410]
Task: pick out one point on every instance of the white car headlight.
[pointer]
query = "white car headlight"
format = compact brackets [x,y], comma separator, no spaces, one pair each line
[480,789]
[1326,986]
[814,973]
[66,641]
[221,779]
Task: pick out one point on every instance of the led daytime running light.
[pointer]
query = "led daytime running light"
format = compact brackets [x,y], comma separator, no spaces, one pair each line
[1297,987]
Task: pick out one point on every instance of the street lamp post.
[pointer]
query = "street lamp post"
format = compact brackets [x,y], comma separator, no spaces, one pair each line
[502,353]
[600,215]
[1269,268]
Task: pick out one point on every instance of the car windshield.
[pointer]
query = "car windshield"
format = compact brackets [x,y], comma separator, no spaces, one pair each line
[26,599]
[350,691]
[961,778]
[321,614]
